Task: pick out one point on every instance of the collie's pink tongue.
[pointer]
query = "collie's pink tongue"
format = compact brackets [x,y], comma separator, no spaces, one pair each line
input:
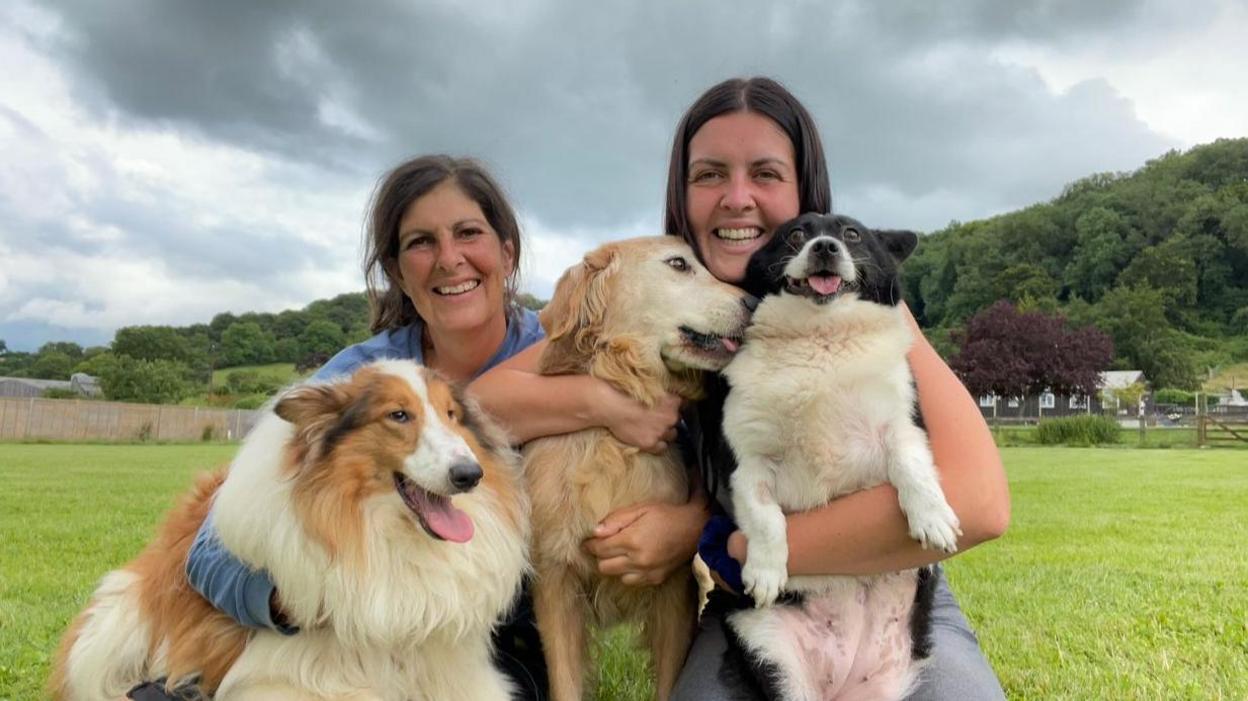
[436,513]
[447,521]
[825,284]
[730,345]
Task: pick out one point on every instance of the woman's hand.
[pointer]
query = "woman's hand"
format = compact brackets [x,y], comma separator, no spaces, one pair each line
[650,429]
[645,543]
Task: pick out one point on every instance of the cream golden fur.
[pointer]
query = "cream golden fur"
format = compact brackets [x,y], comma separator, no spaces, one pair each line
[646,317]
[390,515]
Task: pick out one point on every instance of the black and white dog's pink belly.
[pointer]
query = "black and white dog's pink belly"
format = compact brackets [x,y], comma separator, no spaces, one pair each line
[864,638]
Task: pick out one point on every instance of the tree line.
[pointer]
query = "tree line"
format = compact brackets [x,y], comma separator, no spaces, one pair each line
[1156,259]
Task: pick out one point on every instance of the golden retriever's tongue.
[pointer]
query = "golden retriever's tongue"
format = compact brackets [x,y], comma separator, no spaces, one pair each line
[824,284]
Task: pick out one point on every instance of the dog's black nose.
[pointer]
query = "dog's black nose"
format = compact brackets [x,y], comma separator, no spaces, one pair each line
[750,302]
[823,247]
[465,475]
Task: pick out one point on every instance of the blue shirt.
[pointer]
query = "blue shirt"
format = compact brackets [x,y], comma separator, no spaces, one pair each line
[243,593]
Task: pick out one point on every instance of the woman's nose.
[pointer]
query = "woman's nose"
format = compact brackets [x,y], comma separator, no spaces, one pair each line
[449,255]
[738,194]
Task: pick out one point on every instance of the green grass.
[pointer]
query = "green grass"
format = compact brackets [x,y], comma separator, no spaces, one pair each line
[282,372]
[1121,576]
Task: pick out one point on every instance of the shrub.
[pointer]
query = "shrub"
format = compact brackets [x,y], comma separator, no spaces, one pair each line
[254,401]
[1173,396]
[209,433]
[1078,430]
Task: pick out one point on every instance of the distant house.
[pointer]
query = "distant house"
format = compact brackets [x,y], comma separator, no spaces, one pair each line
[80,383]
[1053,404]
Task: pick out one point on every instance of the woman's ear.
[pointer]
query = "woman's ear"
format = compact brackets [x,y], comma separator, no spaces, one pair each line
[509,257]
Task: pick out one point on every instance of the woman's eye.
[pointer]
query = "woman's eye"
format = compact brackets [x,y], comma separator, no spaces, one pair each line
[400,416]
[678,263]
[851,234]
[469,232]
[704,176]
[418,242]
[767,175]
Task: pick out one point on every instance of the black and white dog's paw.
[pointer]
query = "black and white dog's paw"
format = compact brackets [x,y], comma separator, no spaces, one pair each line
[934,524]
[764,577]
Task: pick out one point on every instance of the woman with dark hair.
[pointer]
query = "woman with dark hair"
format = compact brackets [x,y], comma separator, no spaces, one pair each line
[747,157]
[442,248]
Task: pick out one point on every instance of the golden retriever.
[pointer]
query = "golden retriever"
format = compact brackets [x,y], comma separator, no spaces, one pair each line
[645,316]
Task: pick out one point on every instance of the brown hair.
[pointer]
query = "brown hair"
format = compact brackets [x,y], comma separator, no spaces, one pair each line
[762,96]
[396,191]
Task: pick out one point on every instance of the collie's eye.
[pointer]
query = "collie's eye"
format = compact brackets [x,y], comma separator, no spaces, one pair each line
[678,263]
[400,416]
[452,414]
[796,237]
[851,234]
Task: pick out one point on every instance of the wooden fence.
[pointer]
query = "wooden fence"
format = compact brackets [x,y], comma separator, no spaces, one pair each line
[28,418]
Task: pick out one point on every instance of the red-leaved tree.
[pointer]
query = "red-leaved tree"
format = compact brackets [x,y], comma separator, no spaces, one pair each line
[1011,353]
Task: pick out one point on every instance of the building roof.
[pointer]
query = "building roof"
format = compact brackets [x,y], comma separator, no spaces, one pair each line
[1121,379]
[38,384]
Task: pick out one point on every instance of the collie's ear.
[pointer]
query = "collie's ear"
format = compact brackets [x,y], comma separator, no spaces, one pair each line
[308,403]
[576,311]
[899,243]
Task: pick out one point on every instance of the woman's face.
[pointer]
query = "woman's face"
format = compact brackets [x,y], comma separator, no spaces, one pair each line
[451,263]
[742,185]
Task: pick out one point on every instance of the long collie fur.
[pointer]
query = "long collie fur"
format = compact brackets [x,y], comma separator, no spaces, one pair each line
[646,317]
[820,405]
[390,515]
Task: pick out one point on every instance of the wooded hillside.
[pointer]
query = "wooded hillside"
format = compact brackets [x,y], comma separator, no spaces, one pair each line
[1158,259]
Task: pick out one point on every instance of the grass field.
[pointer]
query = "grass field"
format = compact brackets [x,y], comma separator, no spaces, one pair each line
[1122,575]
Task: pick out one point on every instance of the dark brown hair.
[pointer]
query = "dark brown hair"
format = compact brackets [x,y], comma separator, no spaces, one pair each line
[396,191]
[762,96]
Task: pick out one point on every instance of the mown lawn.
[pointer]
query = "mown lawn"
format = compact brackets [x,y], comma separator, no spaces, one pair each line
[1122,575]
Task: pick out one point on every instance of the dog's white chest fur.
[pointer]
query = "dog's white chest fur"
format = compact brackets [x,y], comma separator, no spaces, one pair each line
[815,390]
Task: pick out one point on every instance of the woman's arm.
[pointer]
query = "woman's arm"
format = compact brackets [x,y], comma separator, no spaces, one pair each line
[530,405]
[866,532]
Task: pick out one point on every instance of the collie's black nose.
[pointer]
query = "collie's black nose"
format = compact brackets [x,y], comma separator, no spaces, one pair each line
[750,302]
[465,475]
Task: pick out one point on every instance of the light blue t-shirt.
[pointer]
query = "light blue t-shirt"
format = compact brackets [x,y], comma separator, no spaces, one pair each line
[243,593]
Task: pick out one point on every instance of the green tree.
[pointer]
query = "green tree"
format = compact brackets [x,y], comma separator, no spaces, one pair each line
[152,343]
[1135,319]
[1100,254]
[246,343]
[322,337]
[145,381]
[51,365]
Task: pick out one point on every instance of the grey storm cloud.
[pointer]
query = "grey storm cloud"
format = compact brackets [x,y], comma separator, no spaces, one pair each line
[575,104]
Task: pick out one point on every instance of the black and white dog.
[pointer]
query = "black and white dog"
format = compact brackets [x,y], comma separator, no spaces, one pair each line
[821,404]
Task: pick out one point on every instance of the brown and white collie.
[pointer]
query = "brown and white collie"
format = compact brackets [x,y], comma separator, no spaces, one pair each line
[389,513]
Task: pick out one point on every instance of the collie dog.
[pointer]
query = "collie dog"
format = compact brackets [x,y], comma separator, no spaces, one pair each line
[389,513]
[645,316]
[821,404]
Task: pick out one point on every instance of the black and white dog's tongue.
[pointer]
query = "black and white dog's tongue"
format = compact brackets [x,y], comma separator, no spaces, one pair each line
[824,284]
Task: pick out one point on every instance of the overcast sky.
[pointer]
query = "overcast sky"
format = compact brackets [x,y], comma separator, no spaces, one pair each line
[166,161]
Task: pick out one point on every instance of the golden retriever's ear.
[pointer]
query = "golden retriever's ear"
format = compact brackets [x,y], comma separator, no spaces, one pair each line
[574,317]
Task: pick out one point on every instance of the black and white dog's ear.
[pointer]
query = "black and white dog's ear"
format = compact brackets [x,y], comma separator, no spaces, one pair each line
[899,243]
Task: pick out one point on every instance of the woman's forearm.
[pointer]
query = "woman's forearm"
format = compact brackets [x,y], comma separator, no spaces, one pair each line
[529,405]
[867,533]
